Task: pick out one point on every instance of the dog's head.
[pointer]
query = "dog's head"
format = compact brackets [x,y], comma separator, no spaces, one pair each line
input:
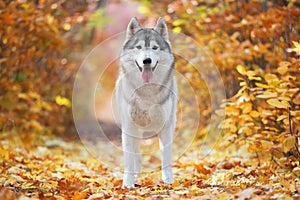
[147,49]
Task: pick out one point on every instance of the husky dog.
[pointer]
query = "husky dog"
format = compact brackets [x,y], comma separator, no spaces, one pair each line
[146,96]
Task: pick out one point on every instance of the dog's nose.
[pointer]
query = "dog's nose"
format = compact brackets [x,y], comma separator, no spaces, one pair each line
[147,61]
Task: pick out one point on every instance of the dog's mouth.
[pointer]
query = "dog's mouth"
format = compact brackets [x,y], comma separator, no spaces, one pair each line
[141,69]
[147,71]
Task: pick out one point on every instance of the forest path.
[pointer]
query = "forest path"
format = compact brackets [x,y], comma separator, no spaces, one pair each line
[44,167]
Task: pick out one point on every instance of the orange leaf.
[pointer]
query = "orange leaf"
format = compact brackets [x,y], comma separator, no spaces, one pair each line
[175,184]
[284,64]
[282,69]
[187,183]
[79,195]
[202,169]
[296,101]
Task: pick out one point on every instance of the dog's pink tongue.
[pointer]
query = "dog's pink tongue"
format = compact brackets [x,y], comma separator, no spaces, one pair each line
[147,75]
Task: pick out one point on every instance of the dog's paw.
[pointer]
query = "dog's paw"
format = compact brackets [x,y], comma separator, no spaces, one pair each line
[128,181]
[167,176]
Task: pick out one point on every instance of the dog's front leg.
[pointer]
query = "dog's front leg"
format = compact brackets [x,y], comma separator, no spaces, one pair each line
[165,143]
[137,161]
[131,159]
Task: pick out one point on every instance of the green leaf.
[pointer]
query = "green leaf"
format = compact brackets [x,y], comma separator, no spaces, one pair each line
[19,76]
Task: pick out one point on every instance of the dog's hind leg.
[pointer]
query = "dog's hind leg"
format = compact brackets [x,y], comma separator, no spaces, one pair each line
[165,143]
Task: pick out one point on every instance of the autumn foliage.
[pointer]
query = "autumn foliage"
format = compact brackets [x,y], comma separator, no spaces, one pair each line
[255,45]
[35,74]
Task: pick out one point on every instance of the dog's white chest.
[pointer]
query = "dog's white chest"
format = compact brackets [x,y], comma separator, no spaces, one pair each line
[147,115]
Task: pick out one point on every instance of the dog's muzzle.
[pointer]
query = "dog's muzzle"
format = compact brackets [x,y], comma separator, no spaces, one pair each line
[145,64]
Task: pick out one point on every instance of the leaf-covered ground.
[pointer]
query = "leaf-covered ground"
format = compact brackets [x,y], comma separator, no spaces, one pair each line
[45,167]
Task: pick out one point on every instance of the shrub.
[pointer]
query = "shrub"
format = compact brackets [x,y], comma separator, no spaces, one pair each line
[258,57]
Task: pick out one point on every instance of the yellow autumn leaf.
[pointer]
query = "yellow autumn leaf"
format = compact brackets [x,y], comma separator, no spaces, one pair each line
[36,125]
[284,98]
[265,113]
[296,48]
[254,114]
[241,69]
[247,107]
[294,90]
[245,130]
[245,117]
[281,90]
[295,113]
[46,106]
[250,73]
[255,78]
[296,171]
[67,26]
[284,64]
[177,29]
[267,144]
[281,117]
[254,146]
[243,83]
[62,101]
[33,95]
[233,128]
[267,95]
[277,152]
[262,85]
[272,79]
[288,143]
[232,111]
[178,22]
[23,96]
[282,70]
[278,104]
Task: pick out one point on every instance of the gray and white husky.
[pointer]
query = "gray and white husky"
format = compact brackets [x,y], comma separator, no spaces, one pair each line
[146,96]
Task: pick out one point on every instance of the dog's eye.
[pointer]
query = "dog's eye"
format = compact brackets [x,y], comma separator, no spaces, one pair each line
[138,47]
[155,47]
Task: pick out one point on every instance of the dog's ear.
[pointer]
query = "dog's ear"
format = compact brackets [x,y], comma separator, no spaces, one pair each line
[162,28]
[133,27]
